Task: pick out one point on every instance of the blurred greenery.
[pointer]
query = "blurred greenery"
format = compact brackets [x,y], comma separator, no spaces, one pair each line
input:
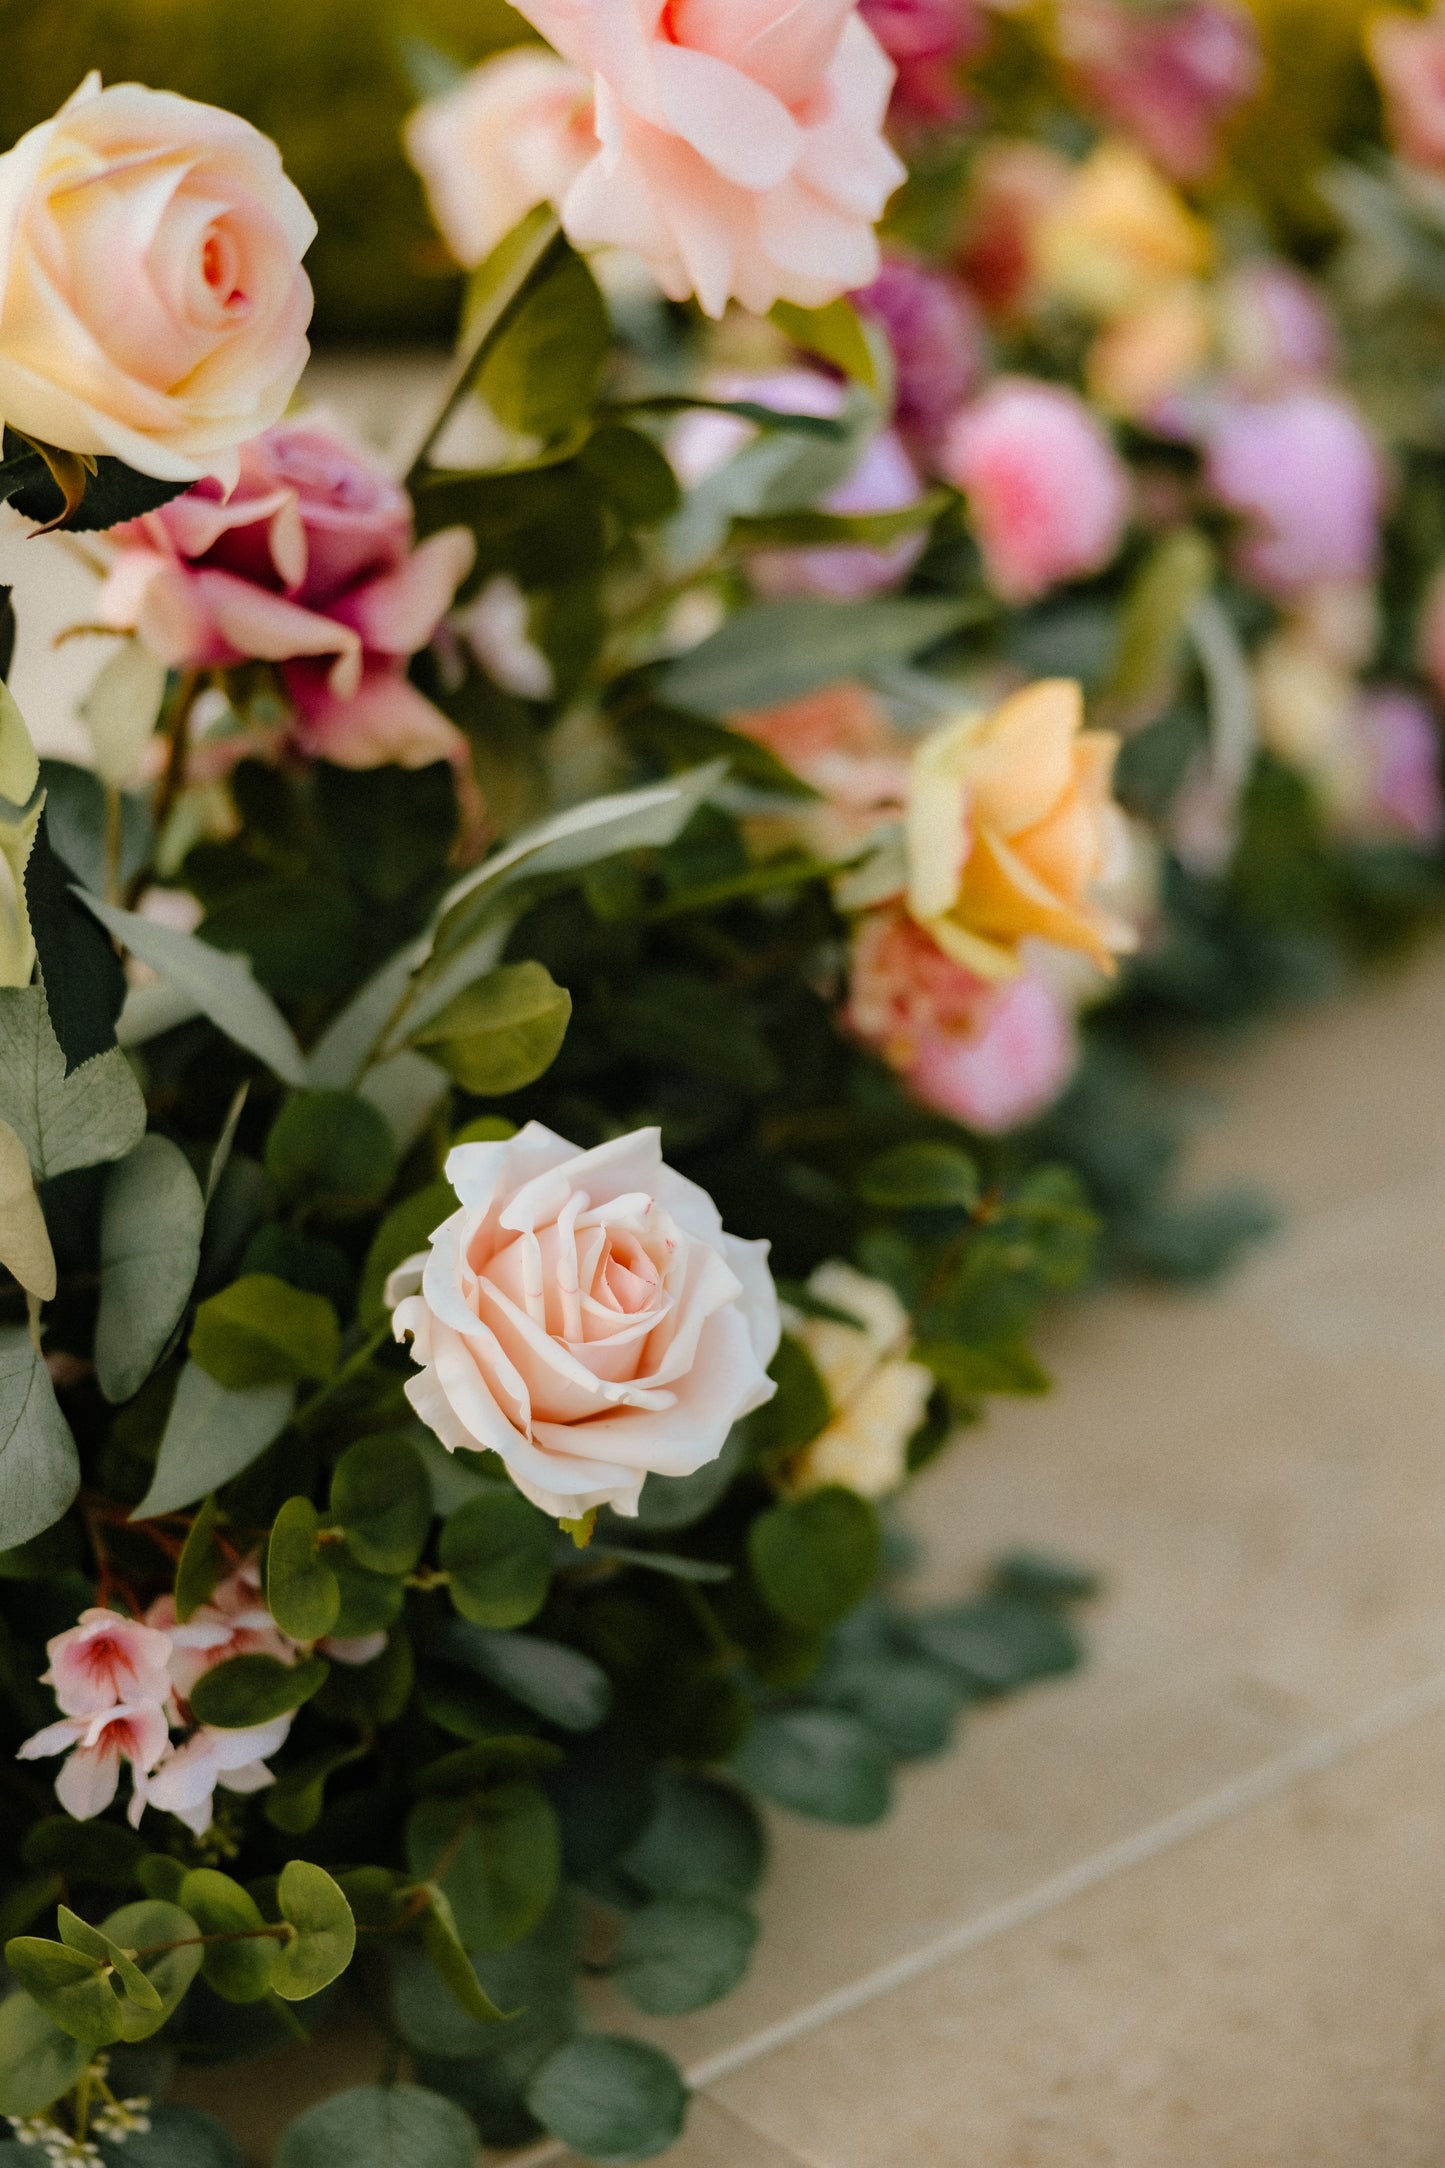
[327,78]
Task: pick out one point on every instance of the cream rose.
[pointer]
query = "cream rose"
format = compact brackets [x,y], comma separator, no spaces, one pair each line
[879,1397]
[1012,830]
[742,141]
[585,1317]
[153,304]
[514,133]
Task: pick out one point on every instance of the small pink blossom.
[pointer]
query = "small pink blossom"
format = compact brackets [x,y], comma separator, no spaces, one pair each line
[1402,744]
[95,1747]
[1407,53]
[185,1781]
[1172,75]
[928,41]
[988,1055]
[308,564]
[1304,472]
[107,1659]
[235,1622]
[1048,493]
[935,331]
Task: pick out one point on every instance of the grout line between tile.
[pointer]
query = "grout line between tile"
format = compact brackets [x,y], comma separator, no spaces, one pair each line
[1254,1788]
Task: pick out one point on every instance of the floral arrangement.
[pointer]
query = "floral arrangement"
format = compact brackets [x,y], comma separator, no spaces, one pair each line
[595,986]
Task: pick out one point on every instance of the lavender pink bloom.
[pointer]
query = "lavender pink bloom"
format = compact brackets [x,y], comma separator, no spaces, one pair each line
[1302,471]
[1402,743]
[1048,494]
[1172,75]
[1276,326]
[935,330]
[928,42]
[309,564]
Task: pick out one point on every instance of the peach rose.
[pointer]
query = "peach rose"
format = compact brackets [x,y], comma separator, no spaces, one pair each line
[743,154]
[1012,831]
[153,302]
[1408,57]
[988,1055]
[514,133]
[841,742]
[585,1317]
[1048,494]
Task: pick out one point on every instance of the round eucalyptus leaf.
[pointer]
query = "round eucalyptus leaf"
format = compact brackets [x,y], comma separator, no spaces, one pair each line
[393,2126]
[814,1560]
[162,1938]
[820,1762]
[704,1840]
[381,1498]
[177,2138]
[325,1931]
[498,1857]
[613,2100]
[498,1550]
[240,1970]
[302,1592]
[331,1148]
[682,1953]
[249,1690]
[502,1033]
[38,2061]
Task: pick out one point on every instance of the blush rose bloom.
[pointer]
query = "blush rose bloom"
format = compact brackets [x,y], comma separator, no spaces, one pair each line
[513,133]
[309,563]
[928,42]
[153,303]
[840,741]
[742,154]
[988,1055]
[1048,494]
[1304,473]
[1012,832]
[1407,53]
[585,1317]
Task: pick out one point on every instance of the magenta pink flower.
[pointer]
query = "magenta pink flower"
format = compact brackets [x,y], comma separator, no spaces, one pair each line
[1048,493]
[107,1659]
[94,1749]
[1303,472]
[936,333]
[1402,743]
[1172,75]
[928,42]
[988,1055]
[308,564]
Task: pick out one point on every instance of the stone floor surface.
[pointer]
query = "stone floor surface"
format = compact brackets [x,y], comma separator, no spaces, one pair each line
[1188,1908]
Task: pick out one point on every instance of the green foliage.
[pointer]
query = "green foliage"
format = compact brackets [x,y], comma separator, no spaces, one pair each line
[501,1033]
[248,1690]
[540,380]
[323,1932]
[38,2060]
[496,1857]
[679,1954]
[816,1559]
[611,2099]
[922,1177]
[331,1149]
[381,1502]
[396,2126]
[498,1551]
[302,1593]
[150,1251]
[259,1331]
[211,1434]
[241,1967]
[66,1119]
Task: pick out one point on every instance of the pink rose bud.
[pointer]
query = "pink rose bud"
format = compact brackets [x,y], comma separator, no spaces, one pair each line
[514,133]
[1402,743]
[1172,75]
[584,1316]
[743,154]
[154,306]
[1303,472]
[1407,53]
[105,1659]
[310,564]
[988,1055]
[934,329]
[928,41]
[1047,492]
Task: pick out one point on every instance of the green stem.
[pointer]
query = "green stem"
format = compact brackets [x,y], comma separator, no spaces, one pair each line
[351,1368]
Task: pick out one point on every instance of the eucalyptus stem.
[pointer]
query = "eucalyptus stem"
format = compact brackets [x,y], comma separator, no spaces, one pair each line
[351,1368]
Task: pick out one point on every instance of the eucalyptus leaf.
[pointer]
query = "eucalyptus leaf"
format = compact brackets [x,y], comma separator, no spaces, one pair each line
[497,1548]
[557,1682]
[260,1331]
[497,1856]
[922,1177]
[443,1945]
[820,1762]
[302,1593]
[679,1954]
[94,1114]
[177,2138]
[38,2061]
[25,1247]
[816,1558]
[375,2126]
[776,651]
[249,1690]
[202,1563]
[211,1434]
[222,987]
[151,1224]
[612,2100]
[39,1465]
[381,1499]
[331,1147]
[162,1939]
[315,1907]
[502,1033]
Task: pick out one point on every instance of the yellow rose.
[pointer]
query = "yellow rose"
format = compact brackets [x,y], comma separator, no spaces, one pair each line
[878,1396]
[1011,830]
[1119,236]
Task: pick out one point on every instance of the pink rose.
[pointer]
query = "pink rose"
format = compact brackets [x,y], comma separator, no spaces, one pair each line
[95,1747]
[1407,54]
[1172,75]
[154,306]
[309,563]
[928,42]
[934,330]
[105,1659]
[1402,744]
[990,1056]
[585,1317]
[1048,493]
[1303,471]
[742,152]
[514,133]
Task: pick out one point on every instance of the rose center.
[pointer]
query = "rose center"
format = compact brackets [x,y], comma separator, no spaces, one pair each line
[221,270]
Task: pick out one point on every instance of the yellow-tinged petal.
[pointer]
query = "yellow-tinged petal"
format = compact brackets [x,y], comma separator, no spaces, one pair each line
[25,1249]
[1023,762]
[988,959]
[1003,897]
[937,835]
[19,762]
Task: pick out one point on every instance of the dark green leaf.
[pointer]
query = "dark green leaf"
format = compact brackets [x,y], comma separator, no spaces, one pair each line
[502,1033]
[202,1563]
[115,492]
[177,2138]
[632,474]
[473,1768]
[249,1690]
[1035,1577]
[704,1840]
[332,1148]
[241,1969]
[104,1853]
[966,1372]
[443,1946]
[396,2126]
[296,1801]
[162,1939]
[613,2100]
[999,1644]
[39,1466]
[560,1684]
[302,1592]
[775,651]
[543,371]
[381,1497]
[915,1177]
[84,978]
[498,1550]
[681,1953]
[211,1434]
[497,1857]
[259,1331]
[38,2062]
[816,1559]
[70,1986]
[798,1410]
[819,1762]
[151,1225]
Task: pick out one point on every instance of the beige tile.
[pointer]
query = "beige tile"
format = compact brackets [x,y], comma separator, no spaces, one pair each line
[1266,1997]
